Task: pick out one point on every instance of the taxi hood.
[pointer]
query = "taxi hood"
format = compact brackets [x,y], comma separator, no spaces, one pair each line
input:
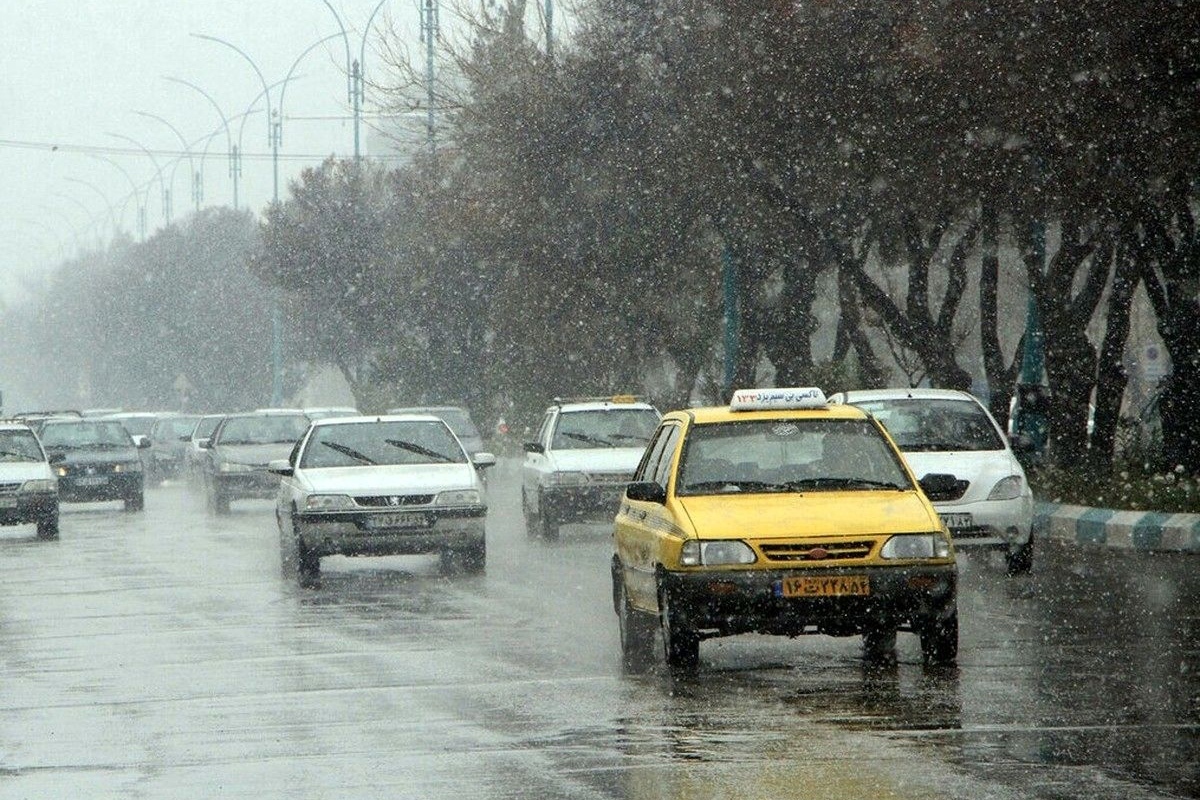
[808,515]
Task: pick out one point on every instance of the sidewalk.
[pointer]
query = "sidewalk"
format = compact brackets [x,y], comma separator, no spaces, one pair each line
[1127,530]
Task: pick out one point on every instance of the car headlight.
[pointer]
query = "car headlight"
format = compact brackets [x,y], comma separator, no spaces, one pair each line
[233,466]
[710,554]
[923,545]
[1007,488]
[128,466]
[461,497]
[40,485]
[567,478]
[61,471]
[327,502]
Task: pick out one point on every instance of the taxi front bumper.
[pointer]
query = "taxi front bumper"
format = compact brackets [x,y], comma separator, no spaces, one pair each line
[355,533]
[725,603]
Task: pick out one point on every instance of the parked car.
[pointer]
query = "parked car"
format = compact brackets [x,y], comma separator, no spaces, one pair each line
[239,450]
[28,488]
[170,437]
[782,515]
[989,503]
[138,423]
[95,460]
[390,485]
[195,456]
[459,420]
[584,455]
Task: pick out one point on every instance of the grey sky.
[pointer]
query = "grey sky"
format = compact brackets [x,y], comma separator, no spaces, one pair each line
[76,70]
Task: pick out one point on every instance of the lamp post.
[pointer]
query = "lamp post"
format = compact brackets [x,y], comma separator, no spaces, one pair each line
[166,193]
[187,151]
[112,214]
[235,164]
[137,194]
[354,69]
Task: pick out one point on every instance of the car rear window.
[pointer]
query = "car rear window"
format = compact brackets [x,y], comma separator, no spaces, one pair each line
[921,425]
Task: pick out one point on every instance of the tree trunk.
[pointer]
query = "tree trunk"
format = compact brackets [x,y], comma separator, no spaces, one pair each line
[1112,377]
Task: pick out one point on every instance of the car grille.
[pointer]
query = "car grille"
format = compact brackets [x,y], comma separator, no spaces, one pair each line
[394,500]
[9,488]
[621,478]
[792,552]
[91,469]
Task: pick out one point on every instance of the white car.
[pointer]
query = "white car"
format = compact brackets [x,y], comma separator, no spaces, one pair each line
[988,502]
[28,488]
[388,485]
[584,455]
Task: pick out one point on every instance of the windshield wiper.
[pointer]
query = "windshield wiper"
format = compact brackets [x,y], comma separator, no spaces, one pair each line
[584,437]
[837,483]
[419,450]
[732,485]
[16,455]
[631,437]
[349,451]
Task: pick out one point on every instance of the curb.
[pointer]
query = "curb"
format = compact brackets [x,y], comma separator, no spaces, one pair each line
[1148,531]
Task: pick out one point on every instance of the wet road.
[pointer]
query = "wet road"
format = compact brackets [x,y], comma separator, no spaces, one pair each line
[162,655]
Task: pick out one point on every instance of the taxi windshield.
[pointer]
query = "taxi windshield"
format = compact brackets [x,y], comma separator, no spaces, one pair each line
[923,425]
[604,427]
[788,455]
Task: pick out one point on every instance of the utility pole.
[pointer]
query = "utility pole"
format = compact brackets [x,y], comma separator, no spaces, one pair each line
[429,32]
[550,29]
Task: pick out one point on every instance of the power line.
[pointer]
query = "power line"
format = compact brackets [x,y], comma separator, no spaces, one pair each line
[70,147]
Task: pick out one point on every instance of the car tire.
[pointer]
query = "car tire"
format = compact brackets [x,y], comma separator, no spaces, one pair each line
[289,555]
[532,523]
[1020,560]
[308,564]
[135,502]
[879,644]
[219,502]
[549,525]
[939,638]
[47,527]
[637,633]
[681,645]
[467,560]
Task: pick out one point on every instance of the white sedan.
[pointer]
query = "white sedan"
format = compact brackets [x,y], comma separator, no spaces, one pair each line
[387,485]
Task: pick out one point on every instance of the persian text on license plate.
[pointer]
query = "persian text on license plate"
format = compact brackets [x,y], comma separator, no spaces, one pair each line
[92,480]
[956,521]
[826,586]
[397,521]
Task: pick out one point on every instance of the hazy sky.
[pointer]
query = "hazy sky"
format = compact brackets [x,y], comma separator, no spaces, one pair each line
[75,71]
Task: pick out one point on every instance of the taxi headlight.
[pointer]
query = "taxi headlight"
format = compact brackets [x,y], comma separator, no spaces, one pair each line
[40,485]
[1006,488]
[128,466]
[711,554]
[567,478]
[233,466]
[327,502]
[925,545]
[61,471]
[461,497]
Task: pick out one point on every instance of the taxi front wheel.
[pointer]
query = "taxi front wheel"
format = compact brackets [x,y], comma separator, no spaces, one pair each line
[637,633]
[939,639]
[681,645]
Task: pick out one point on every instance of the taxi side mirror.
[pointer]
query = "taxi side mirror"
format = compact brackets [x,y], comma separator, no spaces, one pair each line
[534,447]
[280,467]
[646,491]
[937,486]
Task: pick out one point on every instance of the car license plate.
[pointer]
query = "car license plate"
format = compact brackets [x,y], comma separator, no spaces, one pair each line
[397,521]
[957,521]
[826,586]
[92,480]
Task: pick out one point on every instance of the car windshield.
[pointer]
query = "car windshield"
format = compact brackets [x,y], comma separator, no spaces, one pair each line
[173,429]
[604,427]
[788,455]
[924,425]
[18,445]
[264,429]
[381,443]
[206,426]
[138,426]
[458,419]
[85,434]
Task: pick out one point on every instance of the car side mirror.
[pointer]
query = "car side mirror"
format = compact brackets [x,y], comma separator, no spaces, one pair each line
[483,460]
[204,444]
[939,486]
[1021,443]
[142,442]
[187,437]
[281,466]
[56,458]
[534,447]
[647,492]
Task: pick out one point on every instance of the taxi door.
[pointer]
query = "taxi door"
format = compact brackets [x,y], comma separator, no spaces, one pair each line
[642,527]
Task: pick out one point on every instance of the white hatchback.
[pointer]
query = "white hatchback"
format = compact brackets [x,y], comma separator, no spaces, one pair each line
[985,499]
[388,485]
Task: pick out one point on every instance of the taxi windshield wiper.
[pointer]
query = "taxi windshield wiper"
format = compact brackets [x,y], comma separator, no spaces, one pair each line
[349,451]
[837,483]
[419,450]
[732,486]
[585,437]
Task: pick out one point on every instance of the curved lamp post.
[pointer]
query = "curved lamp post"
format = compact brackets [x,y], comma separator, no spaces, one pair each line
[139,194]
[112,214]
[197,192]
[235,164]
[166,193]
[354,70]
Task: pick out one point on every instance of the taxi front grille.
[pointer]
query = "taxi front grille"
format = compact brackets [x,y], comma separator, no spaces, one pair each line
[792,552]
[9,488]
[394,500]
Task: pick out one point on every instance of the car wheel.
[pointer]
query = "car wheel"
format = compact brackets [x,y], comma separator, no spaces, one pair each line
[939,638]
[637,633]
[47,527]
[135,502]
[549,525]
[308,564]
[681,645]
[289,555]
[1020,560]
[879,644]
[532,523]
[219,502]
[469,560]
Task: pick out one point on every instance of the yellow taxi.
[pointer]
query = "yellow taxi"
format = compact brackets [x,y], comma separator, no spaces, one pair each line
[779,514]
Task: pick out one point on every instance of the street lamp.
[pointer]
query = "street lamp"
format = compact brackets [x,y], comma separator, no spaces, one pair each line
[137,194]
[235,165]
[166,193]
[196,190]
[354,70]
[112,214]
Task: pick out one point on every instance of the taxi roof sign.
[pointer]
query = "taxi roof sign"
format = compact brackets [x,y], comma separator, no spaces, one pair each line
[798,397]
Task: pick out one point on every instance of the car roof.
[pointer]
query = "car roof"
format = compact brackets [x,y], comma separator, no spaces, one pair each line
[858,395]
[8,425]
[603,405]
[326,422]
[710,414]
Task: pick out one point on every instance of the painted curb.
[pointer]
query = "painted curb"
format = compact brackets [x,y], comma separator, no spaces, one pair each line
[1149,531]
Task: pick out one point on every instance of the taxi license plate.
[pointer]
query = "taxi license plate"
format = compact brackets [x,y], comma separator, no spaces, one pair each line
[827,586]
[92,480]
[957,521]
[397,521]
